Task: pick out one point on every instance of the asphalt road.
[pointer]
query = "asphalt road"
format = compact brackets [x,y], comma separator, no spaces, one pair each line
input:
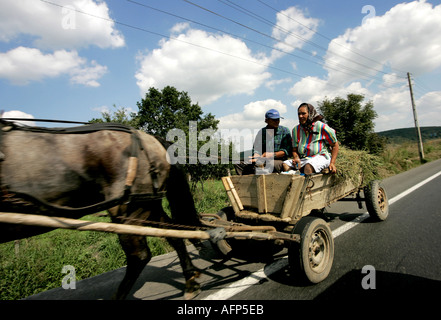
[402,256]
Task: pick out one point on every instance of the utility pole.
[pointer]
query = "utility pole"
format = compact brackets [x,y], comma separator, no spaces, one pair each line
[417,127]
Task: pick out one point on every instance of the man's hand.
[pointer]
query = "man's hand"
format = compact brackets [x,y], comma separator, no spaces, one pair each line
[269,155]
[254,157]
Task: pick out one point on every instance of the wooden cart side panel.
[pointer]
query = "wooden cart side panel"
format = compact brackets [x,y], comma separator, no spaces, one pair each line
[274,194]
[265,193]
[280,195]
[292,196]
[323,193]
[322,180]
[246,188]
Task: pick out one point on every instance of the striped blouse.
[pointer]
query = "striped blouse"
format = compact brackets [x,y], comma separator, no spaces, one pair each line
[311,144]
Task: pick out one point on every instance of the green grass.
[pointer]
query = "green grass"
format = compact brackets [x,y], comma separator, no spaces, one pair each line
[401,157]
[34,264]
[211,198]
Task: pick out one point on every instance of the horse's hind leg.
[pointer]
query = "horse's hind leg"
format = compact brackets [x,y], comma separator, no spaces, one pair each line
[192,287]
[180,198]
[183,212]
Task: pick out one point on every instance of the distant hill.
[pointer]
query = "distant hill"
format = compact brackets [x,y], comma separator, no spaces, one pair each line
[409,134]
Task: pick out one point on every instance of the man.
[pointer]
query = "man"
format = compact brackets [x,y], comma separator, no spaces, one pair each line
[273,145]
[311,142]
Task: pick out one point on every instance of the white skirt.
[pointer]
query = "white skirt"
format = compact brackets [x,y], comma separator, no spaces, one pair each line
[319,162]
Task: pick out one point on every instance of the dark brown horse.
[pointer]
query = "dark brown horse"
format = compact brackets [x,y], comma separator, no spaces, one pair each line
[75,171]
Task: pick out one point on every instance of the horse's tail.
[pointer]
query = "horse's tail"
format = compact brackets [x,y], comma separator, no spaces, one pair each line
[179,195]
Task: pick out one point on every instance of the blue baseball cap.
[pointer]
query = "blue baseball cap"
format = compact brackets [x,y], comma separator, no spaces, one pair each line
[272,114]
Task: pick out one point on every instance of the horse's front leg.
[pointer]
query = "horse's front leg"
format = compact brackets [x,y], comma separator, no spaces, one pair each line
[138,255]
[192,287]
[136,249]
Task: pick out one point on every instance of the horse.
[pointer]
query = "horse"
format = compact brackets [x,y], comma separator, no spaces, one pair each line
[71,172]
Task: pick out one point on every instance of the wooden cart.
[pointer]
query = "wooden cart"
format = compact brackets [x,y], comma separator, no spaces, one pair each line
[273,207]
[280,206]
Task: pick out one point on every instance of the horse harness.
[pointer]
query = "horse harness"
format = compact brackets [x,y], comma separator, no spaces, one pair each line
[22,199]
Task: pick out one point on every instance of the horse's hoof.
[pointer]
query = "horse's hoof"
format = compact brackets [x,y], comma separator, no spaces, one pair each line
[191,295]
[192,288]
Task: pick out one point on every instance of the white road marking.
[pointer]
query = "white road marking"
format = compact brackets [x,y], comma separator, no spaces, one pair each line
[247,282]
[239,286]
[405,193]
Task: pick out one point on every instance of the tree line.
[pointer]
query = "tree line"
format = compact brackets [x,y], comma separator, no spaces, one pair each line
[163,110]
[159,112]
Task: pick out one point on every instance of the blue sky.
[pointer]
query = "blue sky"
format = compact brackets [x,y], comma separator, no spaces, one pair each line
[73,59]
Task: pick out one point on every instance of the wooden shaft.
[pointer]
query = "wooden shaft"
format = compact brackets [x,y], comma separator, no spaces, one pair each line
[83,225]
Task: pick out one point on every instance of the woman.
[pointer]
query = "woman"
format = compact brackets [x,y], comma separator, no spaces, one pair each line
[312,140]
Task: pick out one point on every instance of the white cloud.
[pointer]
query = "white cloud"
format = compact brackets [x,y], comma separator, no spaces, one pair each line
[88,76]
[54,27]
[227,68]
[273,83]
[56,32]
[293,30]
[312,90]
[19,114]
[245,124]
[180,27]
[398,116]
[210,66]
[23,65]
[391,79]
[257,109]
[408,38]
[102,109]
[429,109]
[252,115]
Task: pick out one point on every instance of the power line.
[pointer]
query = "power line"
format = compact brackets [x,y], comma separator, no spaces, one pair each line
[260,18]
[275,39]
[355,72]
[329,39]
[176,39]
[190,43]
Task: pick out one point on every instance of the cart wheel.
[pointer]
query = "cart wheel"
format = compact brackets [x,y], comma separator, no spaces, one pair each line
[312,258]
[223,246]
[376,200]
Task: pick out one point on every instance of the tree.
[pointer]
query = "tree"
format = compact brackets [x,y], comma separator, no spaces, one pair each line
[161,111]
[120,115]
[353,122]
